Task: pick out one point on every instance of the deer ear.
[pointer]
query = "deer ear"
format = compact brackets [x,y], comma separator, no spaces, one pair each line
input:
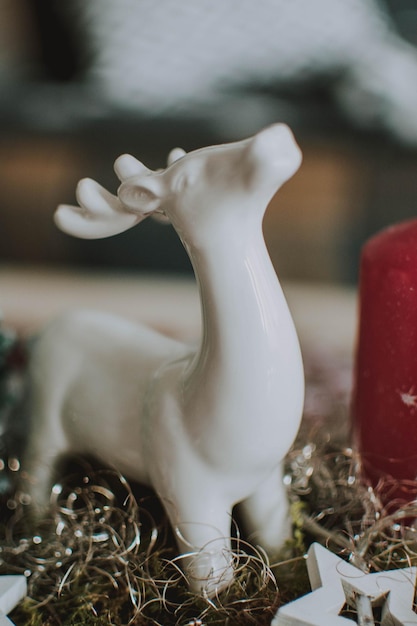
[140,195]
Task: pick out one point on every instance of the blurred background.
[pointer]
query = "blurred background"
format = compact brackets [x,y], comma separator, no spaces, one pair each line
[82,82]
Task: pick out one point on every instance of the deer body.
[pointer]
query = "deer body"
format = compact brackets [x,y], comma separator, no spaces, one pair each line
[207,428]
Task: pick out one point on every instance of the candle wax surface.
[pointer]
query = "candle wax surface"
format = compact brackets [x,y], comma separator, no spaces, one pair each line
[385,397]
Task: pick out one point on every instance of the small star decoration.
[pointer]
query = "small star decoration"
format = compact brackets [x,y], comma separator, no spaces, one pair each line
[409,398]
[335,584]
[12,590]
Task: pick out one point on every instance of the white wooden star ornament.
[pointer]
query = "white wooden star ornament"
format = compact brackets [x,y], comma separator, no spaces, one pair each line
[12,590]
[335,583]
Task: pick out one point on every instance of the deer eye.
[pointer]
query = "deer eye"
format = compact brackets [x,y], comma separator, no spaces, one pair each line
[188,177]
[181,183]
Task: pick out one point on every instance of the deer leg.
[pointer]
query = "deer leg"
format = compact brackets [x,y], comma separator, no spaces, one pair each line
[266,513]
[46,443]
[38,471]
[202,525]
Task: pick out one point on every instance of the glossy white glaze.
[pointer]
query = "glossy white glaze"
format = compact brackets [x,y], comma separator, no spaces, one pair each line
[207,428]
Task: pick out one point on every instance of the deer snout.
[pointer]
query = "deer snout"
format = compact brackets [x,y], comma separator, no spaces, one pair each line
[279,143]
[276,152]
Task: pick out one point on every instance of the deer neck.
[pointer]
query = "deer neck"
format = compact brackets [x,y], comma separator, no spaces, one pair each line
[248,340]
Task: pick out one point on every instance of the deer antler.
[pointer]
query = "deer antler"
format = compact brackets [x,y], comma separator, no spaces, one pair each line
[100,213]
[175,154]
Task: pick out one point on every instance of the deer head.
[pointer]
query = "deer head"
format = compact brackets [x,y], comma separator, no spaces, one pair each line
[209,180]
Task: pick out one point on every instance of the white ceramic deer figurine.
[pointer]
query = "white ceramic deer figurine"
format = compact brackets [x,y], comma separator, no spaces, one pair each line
[207,428]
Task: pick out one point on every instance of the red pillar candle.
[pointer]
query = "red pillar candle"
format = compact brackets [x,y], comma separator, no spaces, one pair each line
[385,395]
